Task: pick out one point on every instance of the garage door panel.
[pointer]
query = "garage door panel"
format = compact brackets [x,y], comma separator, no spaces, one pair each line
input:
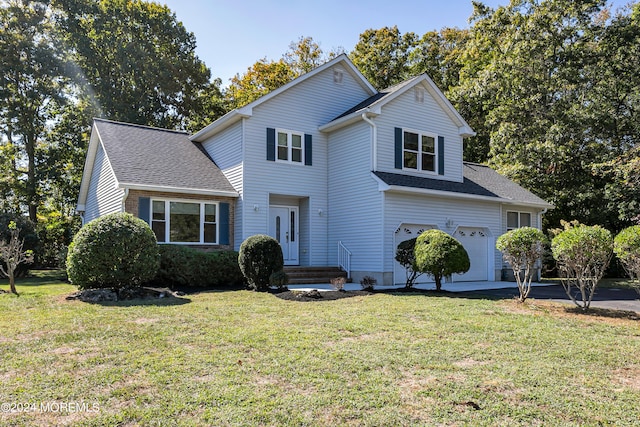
[407,231]
[475,241]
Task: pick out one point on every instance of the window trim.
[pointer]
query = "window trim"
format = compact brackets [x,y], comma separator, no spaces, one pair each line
[290,148]
[519,219]
[167,220]
[418,168]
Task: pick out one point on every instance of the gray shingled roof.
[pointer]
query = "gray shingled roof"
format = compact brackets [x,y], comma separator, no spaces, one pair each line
[479,180]
[141,155]
[372,99]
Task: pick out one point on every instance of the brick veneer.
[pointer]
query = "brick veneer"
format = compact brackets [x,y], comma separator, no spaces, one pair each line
[131,206]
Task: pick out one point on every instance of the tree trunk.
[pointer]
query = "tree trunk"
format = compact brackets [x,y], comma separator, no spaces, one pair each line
[438,282]
[12,285]
[31,177]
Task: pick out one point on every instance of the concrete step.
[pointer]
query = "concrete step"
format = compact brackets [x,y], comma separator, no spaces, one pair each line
[311,275]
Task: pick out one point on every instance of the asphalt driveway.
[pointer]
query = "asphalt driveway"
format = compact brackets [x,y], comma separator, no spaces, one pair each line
[610,298]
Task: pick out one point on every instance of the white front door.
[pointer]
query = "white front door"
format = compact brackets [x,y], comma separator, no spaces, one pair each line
[283,226]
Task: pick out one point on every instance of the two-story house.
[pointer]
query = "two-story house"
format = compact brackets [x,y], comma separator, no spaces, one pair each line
[336,171]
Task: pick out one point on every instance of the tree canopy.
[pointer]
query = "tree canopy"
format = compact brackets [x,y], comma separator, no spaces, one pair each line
[548,86]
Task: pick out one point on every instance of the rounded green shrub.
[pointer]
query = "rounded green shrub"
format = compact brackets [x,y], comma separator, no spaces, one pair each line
[279,279]
[260,256]
[626,246]
[583,253]
[440,255]
[113,251]
[522,248]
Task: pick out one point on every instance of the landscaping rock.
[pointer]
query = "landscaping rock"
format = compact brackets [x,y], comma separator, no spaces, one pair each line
[94,295]
[123,294]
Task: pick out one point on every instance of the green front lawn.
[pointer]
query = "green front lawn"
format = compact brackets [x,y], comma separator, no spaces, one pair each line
[244,358]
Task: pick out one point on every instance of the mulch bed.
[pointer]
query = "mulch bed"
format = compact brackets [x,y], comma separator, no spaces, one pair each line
[314,295]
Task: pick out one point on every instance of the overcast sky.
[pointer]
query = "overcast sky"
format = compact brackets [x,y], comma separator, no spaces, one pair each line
[232,35]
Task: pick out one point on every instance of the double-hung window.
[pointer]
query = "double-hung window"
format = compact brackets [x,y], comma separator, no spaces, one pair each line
[184,221]
[419,151]
[290,146]
[517,220]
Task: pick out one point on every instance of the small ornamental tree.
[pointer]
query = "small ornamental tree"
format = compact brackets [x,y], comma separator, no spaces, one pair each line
[260,256]
[405,255]
[582,253]
[626,246]
[522,248]
[113,251]
[13,255]
[440,255]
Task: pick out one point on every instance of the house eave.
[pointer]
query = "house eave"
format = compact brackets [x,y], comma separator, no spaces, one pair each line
[182,190]
[221,124]
[349,119]
[384,187]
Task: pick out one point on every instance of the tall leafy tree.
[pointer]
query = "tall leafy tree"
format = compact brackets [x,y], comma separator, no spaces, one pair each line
[382,55]
[32,87]
[266,75]
[437,53]
[136,60]
[525,79]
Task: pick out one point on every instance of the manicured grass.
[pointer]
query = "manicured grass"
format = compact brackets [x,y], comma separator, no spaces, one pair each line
[243,358]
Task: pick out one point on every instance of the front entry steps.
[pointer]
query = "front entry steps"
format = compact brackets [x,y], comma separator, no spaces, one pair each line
[313,275]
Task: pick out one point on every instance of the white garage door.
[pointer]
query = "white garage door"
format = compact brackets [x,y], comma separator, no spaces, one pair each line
[407,232]
[475,241]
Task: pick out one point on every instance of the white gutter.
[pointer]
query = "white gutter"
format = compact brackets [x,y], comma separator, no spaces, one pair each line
[197,191]
[542,212]
[374,142]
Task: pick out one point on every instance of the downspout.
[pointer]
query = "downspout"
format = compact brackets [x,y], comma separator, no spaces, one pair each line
[374,142]
[124,198]
[81,218]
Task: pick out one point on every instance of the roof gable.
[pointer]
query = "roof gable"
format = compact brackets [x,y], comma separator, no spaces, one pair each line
[156,159]
[247,111]
[373,105]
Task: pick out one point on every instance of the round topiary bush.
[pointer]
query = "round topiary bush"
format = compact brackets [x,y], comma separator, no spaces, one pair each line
[260,256]
[626,246]
[113,251]
[440,255]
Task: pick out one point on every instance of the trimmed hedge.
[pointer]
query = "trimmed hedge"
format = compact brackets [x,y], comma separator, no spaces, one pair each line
[182,266]
[113,251]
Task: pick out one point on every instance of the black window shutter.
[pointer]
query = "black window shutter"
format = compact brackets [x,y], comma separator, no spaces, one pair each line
[441,155]
[398,148]
[224,223]
[308,149]
[144,209]
[271,144]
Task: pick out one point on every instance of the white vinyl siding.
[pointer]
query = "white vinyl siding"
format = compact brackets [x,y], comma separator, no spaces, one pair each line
[303,108]
[103,196]
[428,117]
[355,204]
[226,149]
